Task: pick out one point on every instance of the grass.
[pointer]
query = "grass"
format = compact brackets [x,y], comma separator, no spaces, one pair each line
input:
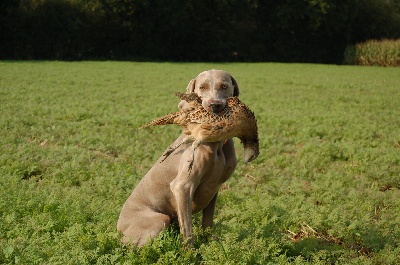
[324,190]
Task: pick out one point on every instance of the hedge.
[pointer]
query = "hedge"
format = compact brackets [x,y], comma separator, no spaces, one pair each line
[384,52]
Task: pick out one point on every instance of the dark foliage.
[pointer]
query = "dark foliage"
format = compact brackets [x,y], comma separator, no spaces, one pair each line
[189,30]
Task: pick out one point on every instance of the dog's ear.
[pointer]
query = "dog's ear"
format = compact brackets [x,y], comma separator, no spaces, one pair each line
[235,87]
[190,86]
[189,89]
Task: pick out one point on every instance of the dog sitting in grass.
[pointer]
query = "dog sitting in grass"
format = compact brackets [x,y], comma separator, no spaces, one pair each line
[166,192]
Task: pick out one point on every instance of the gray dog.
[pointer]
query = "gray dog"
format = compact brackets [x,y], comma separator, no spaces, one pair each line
[166,192]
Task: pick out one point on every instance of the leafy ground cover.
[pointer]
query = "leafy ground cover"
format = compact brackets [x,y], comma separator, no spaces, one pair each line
[324,190]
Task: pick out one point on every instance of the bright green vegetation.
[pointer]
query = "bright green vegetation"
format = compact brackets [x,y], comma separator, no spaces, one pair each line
[325,188]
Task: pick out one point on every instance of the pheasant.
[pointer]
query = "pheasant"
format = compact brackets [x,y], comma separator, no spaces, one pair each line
[200,126]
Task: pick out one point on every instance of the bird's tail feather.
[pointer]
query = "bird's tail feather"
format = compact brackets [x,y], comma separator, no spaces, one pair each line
[170,118]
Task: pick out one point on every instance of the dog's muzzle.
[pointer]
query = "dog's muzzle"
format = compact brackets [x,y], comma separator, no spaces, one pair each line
[216,107]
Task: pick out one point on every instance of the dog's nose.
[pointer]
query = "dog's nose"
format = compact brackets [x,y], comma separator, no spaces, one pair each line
[216,107]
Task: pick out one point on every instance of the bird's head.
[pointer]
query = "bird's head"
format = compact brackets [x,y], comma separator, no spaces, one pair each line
[251,150]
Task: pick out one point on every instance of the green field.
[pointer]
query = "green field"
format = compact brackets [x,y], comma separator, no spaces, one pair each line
[324,190]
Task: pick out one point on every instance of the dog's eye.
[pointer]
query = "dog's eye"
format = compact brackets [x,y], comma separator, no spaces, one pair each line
[203,88]
[224,86]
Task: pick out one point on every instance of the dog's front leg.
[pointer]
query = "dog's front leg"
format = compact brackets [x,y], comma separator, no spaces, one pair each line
[183,190]
[185,185]
[208,213]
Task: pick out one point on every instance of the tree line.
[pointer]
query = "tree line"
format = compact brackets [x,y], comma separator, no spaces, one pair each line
[190,30]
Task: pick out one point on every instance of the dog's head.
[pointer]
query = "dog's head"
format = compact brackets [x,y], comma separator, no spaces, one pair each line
[214,87]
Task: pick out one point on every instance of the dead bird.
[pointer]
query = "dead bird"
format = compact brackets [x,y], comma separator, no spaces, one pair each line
[200,126]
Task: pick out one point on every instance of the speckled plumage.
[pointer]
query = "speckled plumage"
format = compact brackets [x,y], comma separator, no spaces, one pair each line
[200,125]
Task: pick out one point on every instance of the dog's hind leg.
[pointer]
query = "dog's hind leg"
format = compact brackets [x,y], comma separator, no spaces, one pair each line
[147,226]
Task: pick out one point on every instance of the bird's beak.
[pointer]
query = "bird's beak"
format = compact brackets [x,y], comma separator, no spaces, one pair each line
[249,155]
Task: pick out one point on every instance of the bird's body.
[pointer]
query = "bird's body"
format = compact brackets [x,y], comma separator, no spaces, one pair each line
[200,125]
